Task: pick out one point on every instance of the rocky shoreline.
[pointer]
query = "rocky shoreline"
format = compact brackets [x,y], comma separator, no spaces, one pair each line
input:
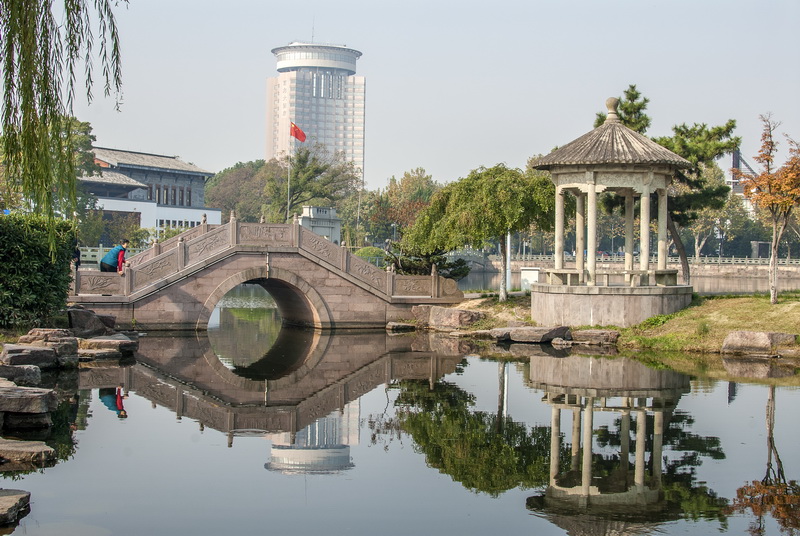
[458,323]
[24,407]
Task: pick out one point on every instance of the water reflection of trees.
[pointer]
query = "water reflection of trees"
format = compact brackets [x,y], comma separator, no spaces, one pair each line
[683,494]
[244,335]
[491,453]
[773,495]
[70,415]
[486,452]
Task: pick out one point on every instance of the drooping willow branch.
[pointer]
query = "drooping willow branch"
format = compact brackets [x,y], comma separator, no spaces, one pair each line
[43,48]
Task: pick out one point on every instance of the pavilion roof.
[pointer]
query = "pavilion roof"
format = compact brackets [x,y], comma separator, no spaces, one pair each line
[611,143]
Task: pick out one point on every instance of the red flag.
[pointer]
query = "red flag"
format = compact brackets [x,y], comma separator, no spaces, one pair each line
[295,131]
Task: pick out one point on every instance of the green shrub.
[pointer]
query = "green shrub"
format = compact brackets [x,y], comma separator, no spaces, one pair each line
[369,252]
[655,321]
[34,281]
[703,328]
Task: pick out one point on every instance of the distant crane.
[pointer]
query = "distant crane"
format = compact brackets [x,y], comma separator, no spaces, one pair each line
[739,163]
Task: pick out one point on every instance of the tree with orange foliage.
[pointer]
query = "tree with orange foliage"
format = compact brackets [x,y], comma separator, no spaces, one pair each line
[775,190]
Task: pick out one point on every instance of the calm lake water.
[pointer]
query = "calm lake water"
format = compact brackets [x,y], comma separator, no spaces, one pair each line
[257,430]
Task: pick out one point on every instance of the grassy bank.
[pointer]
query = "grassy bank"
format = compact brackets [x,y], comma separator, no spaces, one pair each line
[704,325]
[699,328]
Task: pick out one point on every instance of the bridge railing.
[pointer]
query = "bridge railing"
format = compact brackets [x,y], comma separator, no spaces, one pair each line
[195,245]
[92,255]
[670,260]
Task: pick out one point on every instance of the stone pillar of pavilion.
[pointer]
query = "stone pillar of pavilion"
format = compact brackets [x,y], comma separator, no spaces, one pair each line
[611,159]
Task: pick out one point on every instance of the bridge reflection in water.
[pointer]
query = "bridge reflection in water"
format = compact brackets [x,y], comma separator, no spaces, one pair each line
[302,393]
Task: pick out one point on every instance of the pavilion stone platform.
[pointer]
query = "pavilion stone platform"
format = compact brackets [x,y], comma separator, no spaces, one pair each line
[561,305]
[610,159]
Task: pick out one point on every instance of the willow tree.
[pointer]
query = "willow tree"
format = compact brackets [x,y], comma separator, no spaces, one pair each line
[485,205]
[484,451]
[45,48]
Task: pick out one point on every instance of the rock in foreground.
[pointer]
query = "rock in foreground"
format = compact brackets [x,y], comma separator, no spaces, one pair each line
[755,342]
[445,318]
[14,503]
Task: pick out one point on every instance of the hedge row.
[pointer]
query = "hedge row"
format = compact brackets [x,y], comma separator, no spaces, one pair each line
[34,282]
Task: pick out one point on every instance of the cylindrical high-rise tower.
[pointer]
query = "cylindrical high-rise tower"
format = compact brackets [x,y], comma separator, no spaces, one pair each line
[317,89]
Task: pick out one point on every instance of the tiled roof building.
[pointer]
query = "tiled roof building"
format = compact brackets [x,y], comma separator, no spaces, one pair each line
[164,190]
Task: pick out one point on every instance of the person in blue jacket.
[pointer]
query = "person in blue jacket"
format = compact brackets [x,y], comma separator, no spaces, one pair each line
[114,260]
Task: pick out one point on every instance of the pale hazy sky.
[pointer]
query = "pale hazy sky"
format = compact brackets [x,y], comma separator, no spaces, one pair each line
[451,85]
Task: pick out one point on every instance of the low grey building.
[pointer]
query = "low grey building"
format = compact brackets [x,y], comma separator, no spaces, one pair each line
[165,191]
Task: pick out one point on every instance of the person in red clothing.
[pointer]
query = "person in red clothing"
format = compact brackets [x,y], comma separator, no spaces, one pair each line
[115,258]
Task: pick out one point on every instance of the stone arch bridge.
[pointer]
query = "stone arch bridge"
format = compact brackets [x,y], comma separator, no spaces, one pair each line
[315,283]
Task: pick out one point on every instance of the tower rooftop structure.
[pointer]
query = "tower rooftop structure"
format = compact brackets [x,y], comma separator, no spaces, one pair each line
[317,91]
[298,55]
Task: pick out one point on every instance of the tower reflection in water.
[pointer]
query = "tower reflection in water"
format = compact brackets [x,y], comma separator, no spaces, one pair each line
[607,491]
[321,447]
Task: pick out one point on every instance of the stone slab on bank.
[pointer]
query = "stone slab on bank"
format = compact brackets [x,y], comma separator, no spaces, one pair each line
[27,400]
[756,342]
[14,503]
[21,374]
[92,354]
[26,451]
[25,354]
[445,318]
[595,336]
[400,326]
[87,323]
[117,342]
[62,341]
[531,334]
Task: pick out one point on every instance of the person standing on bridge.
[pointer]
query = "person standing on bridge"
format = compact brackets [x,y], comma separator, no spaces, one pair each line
[115,258]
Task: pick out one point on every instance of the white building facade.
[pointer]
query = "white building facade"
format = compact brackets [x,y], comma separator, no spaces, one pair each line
[317,90]
[322,221]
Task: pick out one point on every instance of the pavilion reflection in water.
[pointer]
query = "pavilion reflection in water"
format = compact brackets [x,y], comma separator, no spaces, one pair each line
[628,498]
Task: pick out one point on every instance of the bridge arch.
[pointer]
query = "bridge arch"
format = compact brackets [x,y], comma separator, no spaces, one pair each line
[298,302]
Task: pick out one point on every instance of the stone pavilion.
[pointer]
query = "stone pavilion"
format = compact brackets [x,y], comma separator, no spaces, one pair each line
[610,159]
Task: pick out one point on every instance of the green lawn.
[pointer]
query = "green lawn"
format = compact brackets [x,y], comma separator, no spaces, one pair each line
[704,325]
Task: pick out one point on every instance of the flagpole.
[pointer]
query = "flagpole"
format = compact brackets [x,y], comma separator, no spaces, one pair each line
[296,133]
[289,179]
